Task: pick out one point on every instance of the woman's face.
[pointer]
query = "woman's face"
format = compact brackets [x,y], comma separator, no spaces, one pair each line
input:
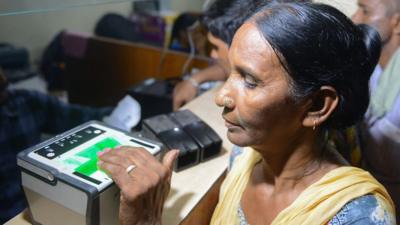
[258,108]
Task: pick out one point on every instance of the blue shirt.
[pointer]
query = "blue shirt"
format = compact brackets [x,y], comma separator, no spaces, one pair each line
[364,210]
[24,116]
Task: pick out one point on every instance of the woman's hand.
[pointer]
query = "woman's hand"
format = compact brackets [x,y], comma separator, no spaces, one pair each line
[143,188]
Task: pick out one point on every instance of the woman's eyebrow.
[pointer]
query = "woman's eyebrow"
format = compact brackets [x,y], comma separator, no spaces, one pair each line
[247,72]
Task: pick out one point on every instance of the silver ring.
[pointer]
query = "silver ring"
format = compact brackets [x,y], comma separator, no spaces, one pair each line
[130,168]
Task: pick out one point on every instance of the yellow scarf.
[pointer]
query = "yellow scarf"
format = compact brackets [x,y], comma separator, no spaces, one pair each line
[317,204]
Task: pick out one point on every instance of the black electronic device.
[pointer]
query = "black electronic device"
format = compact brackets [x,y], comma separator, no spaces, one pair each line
[155,97]
[164,129]
[207,139]
[183,130]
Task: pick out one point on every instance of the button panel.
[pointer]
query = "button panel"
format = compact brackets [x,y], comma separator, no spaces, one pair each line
[69,142]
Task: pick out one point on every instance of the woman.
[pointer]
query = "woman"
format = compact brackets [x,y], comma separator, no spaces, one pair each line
[297,70]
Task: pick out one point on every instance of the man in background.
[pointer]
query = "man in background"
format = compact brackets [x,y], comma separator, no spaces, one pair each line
[380,130]
[24,117]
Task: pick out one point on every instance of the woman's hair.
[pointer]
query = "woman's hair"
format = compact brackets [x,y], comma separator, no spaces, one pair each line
[224,17]
[318,45]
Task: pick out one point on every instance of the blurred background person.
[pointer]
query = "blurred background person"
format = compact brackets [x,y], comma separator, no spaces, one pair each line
[184,24]
[380,130]
[24,117]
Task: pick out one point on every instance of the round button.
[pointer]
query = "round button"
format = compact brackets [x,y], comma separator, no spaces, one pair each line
[50,177]
[50,154]
[97,131]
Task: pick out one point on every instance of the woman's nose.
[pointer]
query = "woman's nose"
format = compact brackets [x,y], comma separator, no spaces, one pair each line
[224,97]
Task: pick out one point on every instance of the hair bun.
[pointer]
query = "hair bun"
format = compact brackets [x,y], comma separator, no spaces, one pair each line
[372,41]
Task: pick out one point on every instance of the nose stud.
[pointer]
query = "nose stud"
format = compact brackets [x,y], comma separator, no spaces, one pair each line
[228,102]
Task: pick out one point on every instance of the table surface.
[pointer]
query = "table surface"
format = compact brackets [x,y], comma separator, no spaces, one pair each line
[190,185]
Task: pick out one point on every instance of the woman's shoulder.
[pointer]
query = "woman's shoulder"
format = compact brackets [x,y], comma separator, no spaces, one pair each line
[364,210]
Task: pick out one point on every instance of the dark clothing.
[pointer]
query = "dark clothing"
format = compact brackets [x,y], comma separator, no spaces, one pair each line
[24,116]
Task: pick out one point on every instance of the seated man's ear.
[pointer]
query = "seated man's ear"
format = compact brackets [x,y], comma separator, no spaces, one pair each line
[321,106]
[395,22]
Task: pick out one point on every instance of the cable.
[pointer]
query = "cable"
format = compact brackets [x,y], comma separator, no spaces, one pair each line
[189,31]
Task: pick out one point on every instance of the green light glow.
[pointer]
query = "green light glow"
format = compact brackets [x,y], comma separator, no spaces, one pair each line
[90,166]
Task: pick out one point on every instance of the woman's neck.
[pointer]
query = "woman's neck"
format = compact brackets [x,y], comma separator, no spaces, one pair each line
[295,165]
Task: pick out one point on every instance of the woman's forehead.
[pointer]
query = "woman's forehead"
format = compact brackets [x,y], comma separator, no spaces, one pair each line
[249,45]
[249,36]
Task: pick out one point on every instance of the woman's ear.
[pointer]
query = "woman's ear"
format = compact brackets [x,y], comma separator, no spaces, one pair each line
[323,103]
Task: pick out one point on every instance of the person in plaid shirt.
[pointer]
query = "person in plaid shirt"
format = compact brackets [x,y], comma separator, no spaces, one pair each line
[24,116]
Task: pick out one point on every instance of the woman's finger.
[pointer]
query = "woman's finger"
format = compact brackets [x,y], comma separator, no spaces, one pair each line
[141,157]
[117,173]
[115,158]
[169,159]
[132,154]
[132,183]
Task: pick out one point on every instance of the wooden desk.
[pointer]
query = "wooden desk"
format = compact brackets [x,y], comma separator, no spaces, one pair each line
[188,200]
[108,67]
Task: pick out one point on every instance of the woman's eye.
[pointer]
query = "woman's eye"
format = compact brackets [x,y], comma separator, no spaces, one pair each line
[250,81]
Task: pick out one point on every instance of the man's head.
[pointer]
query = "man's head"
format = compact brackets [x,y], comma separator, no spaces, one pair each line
[224,17]
[179,30]
[383,15]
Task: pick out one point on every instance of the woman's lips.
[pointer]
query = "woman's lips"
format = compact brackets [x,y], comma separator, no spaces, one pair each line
[229,124]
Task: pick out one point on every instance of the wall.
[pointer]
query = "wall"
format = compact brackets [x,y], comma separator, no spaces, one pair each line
[35,31]
[182,5]
[348,7]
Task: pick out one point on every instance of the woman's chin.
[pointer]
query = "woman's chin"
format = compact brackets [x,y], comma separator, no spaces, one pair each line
[238,139]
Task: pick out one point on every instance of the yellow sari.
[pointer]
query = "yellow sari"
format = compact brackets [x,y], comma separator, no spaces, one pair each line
[317,204]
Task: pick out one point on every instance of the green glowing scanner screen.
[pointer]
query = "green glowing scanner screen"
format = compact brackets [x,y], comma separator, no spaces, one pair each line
[84,163]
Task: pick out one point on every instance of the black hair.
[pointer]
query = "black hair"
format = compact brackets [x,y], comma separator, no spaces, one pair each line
[182,23]
[224,17]
[318,45]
